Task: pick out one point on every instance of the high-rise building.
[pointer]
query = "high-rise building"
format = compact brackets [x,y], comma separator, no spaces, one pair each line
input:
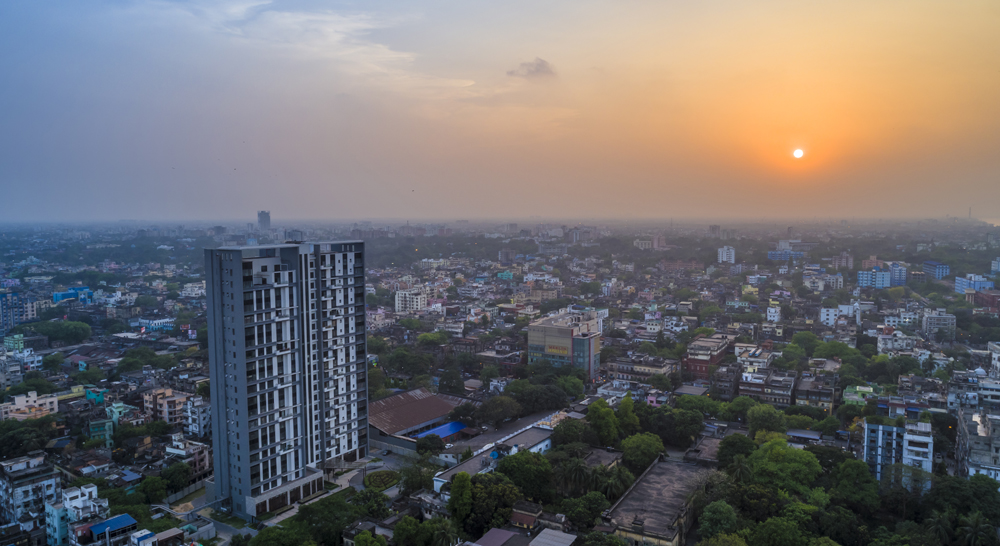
[263,220]
[727,255]
[288,368]
[937,270]
[877,278]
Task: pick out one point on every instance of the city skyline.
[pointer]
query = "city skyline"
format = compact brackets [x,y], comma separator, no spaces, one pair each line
[163,110]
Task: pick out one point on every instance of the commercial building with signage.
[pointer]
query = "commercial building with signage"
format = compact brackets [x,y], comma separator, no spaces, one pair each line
[567,339]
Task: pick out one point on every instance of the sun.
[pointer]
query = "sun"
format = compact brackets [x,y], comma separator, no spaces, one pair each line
[798,154]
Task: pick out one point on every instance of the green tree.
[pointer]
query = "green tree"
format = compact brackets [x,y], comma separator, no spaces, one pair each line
[371,503]
[53,362]
[568,431]
[493,498]
[627,419]
[177,475]
[764,417]
[604,422]
[365,538]
[432,443]
[733,445]
[778,531]
[855,487]
[146,301]
[451,382]
[154,488]
[724,540]
[807,340]
[718,517]
[460,503]
[975,530]
[530,472]
[584,511]
[488,373]
[498,409]
[776,464]
[406,532]
[204,390]
[640,450]
[662,382]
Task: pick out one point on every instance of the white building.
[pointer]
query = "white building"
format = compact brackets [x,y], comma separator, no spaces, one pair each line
[29,406]
[410,300]
[78,505]
[774,314]
[197,414]
[26,484]
[727,255]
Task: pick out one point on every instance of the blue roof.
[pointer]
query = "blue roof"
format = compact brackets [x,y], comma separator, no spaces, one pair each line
[130,476]
[444,430]
[113,524]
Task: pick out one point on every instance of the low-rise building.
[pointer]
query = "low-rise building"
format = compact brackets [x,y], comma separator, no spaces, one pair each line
[196,455]
[770,386]
[657,508]
[818,390]
[29,406]
[197,416]
[725,382]
[705,353]
[77,506]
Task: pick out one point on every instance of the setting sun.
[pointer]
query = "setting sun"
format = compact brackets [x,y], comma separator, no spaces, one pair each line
[797,153]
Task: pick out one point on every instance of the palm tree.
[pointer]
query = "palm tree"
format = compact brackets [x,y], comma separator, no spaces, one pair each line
[577,474]
[975,530]
[940,525]
[445,534]
[619,480]
[599,476]
[740,469]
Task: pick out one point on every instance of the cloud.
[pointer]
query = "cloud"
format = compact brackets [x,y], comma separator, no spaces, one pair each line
[539,68]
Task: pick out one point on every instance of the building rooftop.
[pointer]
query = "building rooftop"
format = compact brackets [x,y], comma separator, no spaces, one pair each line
[401,412]
[113,524]
[551,537]
[658,498]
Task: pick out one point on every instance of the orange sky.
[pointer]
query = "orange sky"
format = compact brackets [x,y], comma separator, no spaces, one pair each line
[478,109]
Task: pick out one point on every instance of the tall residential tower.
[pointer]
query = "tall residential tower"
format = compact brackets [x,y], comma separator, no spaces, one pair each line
[288,368]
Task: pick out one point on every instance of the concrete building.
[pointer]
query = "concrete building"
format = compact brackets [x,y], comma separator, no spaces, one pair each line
[413,299]
[657,508]
[897,273]
[29,406]
[26,484]
[818,390]
[77,506]
[936,270]
[288,368]
[263,220]
[640,367]
[885,444]
[15,308]
[567,339]
[164,404]
[704,353]
[972,282]
[774,314]
[770,386]
[197,416]
[938,320]
[727,255]
[725,383]
[196,455]
[844,261]
[534,439]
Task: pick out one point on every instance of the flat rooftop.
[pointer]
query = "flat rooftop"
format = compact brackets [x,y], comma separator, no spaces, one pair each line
[658,498]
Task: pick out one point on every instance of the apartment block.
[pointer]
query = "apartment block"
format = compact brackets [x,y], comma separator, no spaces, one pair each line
[26,484]
[567,339]
[886,444]
[77,506]
[413,299]
[288,369]
[29,406]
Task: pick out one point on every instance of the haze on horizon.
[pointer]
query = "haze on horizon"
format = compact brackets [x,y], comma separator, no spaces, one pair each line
[198,109]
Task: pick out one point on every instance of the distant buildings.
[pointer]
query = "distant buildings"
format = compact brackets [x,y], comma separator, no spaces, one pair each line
[936,270]
[972,282]
[15,308]
[936,320]
[877,278]
[567,339]
[263,220]
[413,299]
[727,255]
[844,261]
[705,352]
[29,406]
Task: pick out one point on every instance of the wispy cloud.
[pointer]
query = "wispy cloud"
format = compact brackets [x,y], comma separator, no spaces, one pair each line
[538,68]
